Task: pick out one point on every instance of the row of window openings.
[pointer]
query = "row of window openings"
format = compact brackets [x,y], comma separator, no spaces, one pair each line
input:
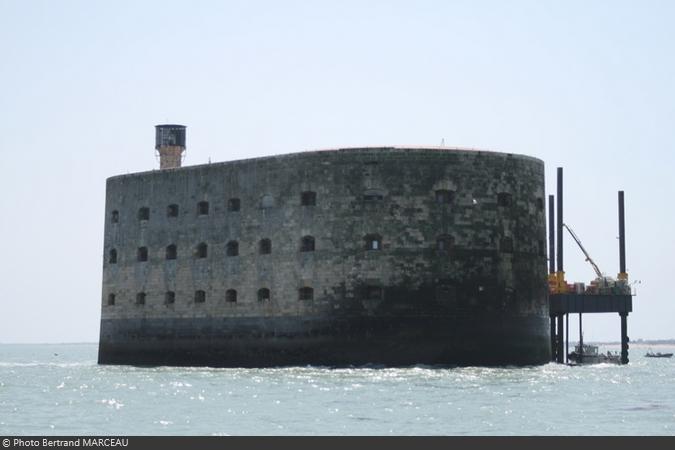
[307,198]
[504,199]
[373,242]
[443,243]
[263,295]
[307,244]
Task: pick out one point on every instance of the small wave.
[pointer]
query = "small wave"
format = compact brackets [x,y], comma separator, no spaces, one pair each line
[45,364]
[435,366]
[163,423]
[112,403]
[363,419]
[649,407]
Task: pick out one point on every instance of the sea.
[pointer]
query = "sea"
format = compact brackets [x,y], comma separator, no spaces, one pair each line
[60,390]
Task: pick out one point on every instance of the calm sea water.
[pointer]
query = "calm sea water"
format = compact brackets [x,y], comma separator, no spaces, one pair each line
[60,390]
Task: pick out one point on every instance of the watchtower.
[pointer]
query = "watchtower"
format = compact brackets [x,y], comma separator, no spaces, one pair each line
[170,143]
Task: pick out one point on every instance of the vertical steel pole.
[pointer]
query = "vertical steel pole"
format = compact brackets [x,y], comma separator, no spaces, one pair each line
[581,341]
[624,337]
[567,338]
[554,347]
[622,237]
[555,335]
[559,218]
[559,350]
[551,234]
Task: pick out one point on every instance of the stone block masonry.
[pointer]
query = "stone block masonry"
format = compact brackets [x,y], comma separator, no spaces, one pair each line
[370,255]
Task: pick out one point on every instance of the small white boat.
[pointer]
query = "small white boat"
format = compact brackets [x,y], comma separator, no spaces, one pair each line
[588,354]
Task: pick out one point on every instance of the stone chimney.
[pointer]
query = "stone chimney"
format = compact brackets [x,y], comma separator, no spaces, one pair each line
[170,143]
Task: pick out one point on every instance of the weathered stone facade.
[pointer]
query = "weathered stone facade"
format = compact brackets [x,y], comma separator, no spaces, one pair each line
[404,240]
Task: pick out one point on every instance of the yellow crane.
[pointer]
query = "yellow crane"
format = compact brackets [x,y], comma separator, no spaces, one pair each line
[602,283]
[588,257]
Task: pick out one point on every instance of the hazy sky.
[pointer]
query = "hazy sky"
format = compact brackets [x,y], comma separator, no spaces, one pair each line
[587,85]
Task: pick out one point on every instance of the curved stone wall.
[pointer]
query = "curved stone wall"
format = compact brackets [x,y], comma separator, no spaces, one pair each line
[370,255]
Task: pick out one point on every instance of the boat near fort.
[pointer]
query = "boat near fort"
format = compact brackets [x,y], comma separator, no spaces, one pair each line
[589,354]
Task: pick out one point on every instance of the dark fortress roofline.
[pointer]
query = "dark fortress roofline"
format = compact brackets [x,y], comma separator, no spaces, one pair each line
[370,255]
[341,150]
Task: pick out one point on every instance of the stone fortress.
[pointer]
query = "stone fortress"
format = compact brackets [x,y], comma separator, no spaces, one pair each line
[390,255]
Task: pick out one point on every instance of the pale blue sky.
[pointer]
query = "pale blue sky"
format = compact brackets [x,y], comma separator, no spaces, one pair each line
[588,85]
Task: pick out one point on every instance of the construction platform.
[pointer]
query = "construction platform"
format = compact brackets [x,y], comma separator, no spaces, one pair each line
[603,295]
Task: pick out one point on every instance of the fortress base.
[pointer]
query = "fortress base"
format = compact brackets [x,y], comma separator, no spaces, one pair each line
[296,341]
